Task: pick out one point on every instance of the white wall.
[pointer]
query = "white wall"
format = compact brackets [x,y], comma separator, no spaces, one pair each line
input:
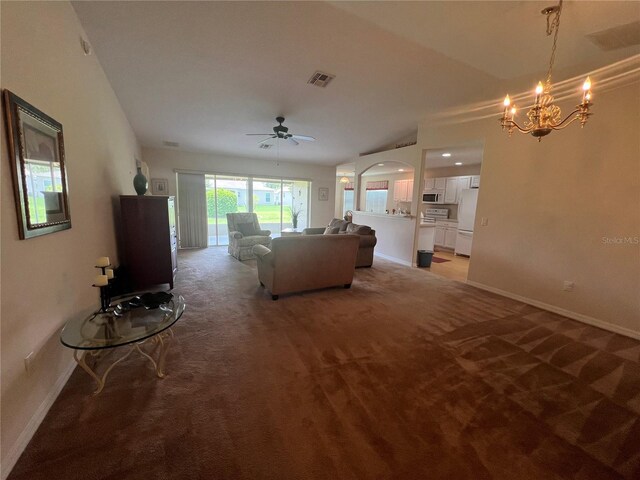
[551,204]
[163,163]
[47,280]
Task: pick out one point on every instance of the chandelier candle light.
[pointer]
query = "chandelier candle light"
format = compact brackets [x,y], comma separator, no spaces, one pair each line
[544,116]
[102,282]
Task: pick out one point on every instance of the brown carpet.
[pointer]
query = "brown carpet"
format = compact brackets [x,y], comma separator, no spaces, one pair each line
[405,376]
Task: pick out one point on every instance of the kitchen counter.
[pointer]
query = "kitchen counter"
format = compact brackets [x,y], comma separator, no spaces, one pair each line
[395,234]
[385,215]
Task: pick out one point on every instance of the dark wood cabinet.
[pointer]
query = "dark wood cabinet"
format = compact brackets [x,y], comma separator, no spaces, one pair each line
[149,235]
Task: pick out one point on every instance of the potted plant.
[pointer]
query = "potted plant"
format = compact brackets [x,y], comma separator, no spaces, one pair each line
[295,213]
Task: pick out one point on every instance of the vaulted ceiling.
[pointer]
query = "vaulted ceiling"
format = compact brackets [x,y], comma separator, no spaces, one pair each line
[205,73]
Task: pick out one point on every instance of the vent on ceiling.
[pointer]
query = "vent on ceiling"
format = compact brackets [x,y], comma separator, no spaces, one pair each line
[265,146]
[621,36]
[320,79]
[170,144]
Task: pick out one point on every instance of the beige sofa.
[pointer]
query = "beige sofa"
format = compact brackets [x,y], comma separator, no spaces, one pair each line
[306,262]
[367,236]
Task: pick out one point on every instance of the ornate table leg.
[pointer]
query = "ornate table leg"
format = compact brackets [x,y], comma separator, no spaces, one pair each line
[160,340]
[80,360]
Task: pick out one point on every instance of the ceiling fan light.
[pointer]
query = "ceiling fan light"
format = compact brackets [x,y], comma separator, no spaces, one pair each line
[344,180]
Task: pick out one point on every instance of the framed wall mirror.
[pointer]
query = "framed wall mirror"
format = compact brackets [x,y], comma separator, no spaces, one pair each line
[36,152]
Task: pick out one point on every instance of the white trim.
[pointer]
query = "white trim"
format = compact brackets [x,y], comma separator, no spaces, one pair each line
[561,311]
[25,437]
[393,259]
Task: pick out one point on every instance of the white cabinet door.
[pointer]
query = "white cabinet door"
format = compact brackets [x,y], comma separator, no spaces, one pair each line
[429,183]
[440,183]
[450,237]
[409,197]
[439,240]
[451,190]
[475,181]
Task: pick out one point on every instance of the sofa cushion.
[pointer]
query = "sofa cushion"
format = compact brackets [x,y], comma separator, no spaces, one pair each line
[358,229]
[331,230]
[247,229]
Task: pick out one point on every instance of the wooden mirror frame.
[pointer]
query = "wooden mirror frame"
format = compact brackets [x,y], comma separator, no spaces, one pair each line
[14,107]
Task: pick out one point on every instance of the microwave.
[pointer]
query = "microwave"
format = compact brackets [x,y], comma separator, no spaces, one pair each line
[433,196]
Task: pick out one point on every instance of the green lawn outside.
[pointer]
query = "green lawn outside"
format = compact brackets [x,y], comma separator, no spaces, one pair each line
[266,214]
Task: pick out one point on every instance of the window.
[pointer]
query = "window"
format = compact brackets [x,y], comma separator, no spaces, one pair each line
[376,196]
[348,198]
[274,200]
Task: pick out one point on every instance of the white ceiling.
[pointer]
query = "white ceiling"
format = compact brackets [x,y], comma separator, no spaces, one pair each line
[204,73]
[467,155]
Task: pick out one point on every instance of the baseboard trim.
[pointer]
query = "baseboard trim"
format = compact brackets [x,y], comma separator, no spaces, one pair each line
[595,322]
[27,434]
[393,259]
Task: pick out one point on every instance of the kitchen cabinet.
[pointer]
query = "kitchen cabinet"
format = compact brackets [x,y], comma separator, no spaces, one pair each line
[475,181]
[451,190]
[439,238]
[446,233]
[450,235]
[429,183]
[440,183]
[402,190]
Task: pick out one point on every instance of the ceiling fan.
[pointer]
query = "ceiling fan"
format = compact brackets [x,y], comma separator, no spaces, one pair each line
[282,132]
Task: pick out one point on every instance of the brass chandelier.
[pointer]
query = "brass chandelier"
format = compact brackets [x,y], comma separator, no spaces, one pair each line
[544,116]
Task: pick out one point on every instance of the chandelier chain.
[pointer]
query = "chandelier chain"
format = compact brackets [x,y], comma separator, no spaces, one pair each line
[553,26]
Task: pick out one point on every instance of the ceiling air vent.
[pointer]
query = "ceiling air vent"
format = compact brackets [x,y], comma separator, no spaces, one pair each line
[320,79]
[265,146]
[621,36]
[170,144]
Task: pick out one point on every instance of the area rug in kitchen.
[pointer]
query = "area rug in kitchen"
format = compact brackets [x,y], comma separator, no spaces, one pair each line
[439,260]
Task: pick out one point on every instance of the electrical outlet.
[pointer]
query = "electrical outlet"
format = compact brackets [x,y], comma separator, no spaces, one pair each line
[28,362]
[568,286]
[484,221]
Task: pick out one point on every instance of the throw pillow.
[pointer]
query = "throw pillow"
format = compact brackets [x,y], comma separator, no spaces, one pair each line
[331,230]
[247,229]
[358,229]
[341,224]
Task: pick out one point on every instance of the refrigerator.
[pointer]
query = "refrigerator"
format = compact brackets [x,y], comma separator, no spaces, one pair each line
[466,218]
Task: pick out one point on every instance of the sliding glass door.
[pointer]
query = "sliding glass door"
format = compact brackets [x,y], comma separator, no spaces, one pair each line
[225,194]
[275,201]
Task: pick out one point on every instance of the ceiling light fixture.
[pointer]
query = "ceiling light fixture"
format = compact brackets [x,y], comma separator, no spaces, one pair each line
[401,169]
[458,163]
[544,116]
[344,180]
[381,164]
[446,155]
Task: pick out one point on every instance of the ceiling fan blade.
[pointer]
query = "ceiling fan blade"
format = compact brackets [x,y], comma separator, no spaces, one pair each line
[266,139]
[304,138]
[291,140]
[261,134]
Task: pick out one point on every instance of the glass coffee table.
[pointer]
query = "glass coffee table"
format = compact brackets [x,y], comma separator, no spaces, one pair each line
[129,328]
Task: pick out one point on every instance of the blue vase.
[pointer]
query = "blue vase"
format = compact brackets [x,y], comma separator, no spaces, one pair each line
[140,183]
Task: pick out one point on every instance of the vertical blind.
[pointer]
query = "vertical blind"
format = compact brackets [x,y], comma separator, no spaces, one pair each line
[192,210]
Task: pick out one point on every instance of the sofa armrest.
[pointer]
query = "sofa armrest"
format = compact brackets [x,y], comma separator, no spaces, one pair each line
[235,234]
[368,241]
[264,233]
[262,253]
[313,231]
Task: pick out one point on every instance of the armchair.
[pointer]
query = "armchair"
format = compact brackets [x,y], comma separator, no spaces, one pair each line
[244,233]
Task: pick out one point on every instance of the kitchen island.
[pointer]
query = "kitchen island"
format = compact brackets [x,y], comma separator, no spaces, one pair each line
[395,234]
